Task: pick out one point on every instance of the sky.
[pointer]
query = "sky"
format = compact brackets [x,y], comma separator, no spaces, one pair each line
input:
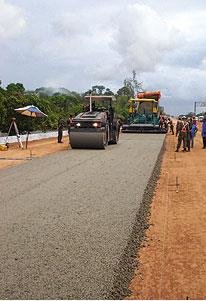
[80,43]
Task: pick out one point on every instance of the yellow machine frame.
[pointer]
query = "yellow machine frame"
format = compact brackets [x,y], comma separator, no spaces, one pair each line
[133,100]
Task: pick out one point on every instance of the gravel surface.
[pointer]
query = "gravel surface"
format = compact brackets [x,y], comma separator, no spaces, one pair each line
[67,220]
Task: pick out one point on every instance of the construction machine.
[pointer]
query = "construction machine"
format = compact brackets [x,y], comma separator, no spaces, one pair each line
[144,114]
[97,126]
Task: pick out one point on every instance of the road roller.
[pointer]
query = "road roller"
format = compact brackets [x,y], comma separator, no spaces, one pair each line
[97,126]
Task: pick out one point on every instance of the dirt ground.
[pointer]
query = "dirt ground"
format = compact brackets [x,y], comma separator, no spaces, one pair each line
[36,148]
[172,260]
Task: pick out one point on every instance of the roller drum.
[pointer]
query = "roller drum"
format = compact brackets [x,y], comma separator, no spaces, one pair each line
[88,139]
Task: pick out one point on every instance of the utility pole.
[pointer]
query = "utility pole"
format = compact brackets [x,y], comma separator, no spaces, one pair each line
[195,107]
[90,102]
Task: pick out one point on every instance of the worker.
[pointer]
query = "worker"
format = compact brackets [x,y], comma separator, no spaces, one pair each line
[188,133]
[85,108]
[193,132]
[60,130]
[93,106]
[204,131]
[120,123]
[161,122]
[190,121]
[182,134]
[171,125]
[188,128]
[166,123]
[178,125]
[69,122]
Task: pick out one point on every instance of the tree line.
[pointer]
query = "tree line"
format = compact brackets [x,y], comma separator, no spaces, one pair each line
[56,104]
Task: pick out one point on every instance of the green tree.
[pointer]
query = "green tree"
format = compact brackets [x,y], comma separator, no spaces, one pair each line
[2,109]
[121,107]
[108,92]
[98,89]
[132,84]
[125,91]
[15,88]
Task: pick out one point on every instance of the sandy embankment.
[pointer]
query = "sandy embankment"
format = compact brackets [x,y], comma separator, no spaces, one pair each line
[36,148]
[172,260]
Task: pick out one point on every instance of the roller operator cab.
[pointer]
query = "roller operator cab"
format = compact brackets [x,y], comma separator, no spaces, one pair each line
[97,126]
[144,113]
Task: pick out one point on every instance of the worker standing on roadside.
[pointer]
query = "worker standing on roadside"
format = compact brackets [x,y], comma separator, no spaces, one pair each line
[171,126]
[204,131]
[190,121]
[188,133]
[182,134]
[120,124]
[166,123]
[60,130]
[193,132]
[161,122]
[69,122]
[178,125]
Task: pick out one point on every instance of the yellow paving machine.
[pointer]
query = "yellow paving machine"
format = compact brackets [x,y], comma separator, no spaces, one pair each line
[144,114]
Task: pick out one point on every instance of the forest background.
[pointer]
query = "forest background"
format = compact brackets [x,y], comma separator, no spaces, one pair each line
[56,103]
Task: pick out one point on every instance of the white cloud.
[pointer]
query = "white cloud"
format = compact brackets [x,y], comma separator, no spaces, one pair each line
[142,37]
[180,86]
[192,24]
[80,43]
[192,49]
[109,42]
[71,25]
[12,20]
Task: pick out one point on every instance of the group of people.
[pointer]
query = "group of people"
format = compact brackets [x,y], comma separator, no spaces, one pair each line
[186,129]
[61,125]
[166,123]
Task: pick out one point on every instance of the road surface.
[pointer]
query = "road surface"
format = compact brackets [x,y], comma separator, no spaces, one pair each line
[65,219]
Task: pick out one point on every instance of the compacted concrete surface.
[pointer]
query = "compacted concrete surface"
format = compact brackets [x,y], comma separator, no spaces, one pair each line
[65,219]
